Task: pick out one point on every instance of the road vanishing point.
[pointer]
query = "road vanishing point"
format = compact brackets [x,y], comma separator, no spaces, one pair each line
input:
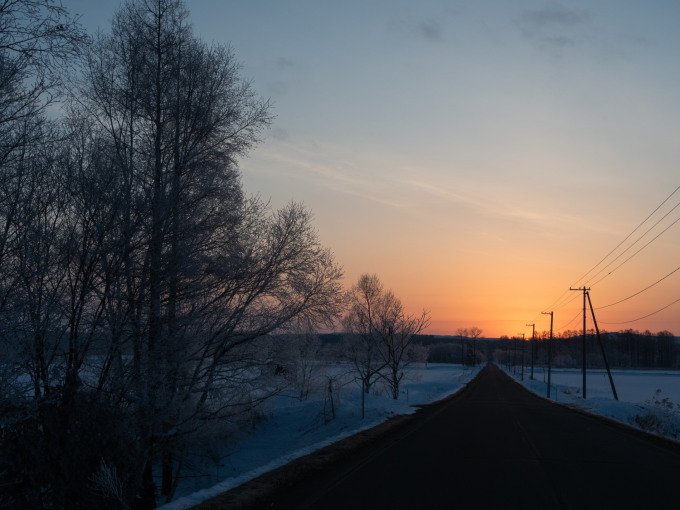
[495,445]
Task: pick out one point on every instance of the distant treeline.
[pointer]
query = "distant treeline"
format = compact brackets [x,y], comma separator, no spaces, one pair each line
[624,349]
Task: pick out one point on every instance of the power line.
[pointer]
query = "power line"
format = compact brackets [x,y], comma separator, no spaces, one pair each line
[554,303]
[633,255]
[566,302]
[629,235]
[555,306]
[638,239]
[572,320]
[560,303]
[645,316]
[641,291]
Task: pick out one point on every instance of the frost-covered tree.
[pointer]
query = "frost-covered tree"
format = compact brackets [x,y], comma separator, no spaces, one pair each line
[380,335]
[142,282]
[398,349]
[201,273]
[361,342]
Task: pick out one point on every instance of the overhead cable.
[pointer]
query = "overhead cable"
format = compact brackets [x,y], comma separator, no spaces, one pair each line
[644,316]
[569,323]
[640,291]
[628,236]
[634,254]
[636,241]
[574,296]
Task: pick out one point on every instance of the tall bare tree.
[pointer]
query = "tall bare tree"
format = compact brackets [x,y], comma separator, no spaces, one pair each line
[400,350]
[362,341]
[381,334]
[139,283]
[201,271]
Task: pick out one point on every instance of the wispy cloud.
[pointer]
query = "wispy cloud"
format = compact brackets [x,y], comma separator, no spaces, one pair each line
[539,20]
[430,27]
[279,133]
[489,205]
[284,63]
[333,171]
[553,28]
[442,193]
[431,31]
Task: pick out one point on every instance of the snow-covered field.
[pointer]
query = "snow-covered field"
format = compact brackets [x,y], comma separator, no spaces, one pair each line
[288,428]
[648,399]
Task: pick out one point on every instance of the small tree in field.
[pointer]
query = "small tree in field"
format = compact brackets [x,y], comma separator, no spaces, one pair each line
[380,334]
[361,345]
[474,333]
[398,349]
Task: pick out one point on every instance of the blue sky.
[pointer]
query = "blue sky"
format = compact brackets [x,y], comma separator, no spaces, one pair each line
[478,156]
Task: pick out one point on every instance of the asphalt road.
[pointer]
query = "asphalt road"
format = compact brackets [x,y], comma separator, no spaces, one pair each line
[497,445]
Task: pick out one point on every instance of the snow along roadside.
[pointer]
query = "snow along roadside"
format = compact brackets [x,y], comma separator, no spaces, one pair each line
[657,415]
[191,500]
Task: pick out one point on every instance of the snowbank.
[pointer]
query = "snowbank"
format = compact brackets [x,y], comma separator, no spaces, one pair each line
[290,428]
[648,399]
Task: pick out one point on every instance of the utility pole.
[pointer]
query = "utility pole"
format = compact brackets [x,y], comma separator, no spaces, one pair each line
[523,340]
[549,348]
[604,355]
[531,348]
[585,292]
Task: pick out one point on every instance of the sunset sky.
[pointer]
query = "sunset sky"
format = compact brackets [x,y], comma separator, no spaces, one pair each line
[479,157]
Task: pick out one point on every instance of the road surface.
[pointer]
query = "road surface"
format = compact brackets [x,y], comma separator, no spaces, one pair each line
[497,445]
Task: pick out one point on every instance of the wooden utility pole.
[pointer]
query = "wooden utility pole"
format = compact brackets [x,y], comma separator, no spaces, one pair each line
[585,291]
[531,348]
[604,355]
[549,348]
[523,349]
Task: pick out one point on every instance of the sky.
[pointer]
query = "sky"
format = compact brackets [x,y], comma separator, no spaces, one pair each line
[479,157]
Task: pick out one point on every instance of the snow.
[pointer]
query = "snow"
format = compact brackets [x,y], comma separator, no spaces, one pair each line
[289,428]
[648,399]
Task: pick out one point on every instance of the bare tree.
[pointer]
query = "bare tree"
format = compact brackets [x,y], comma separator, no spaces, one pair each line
[201,273]
[38,40]
[141,288]
[462,334]
[474,332]
[398,349]
[380,334]
[361,343]
[178,116]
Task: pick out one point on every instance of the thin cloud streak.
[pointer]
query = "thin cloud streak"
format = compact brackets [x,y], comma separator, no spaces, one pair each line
[501,210]
[345,177]
[552,29]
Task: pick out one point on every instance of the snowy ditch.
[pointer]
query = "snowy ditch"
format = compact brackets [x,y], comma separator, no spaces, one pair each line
[286,428]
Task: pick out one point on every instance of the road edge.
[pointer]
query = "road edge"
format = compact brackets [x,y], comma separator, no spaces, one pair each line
[264,490]
[661,441]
